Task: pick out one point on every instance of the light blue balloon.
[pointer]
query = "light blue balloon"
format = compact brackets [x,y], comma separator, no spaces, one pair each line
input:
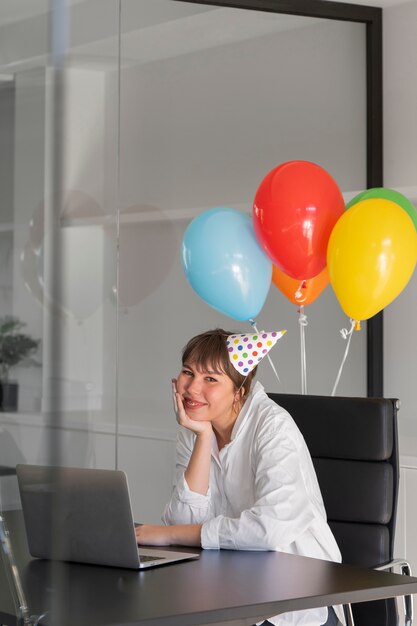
[225,264]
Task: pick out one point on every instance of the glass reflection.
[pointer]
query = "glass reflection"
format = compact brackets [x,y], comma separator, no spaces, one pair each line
[198,106]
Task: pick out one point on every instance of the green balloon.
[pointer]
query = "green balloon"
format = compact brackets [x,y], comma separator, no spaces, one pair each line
[387,194]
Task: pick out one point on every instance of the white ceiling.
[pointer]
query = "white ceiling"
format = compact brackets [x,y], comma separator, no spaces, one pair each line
[150,30]
[206,29]
[16,10]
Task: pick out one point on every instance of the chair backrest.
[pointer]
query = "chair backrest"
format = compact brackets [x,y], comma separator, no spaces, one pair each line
[354,447]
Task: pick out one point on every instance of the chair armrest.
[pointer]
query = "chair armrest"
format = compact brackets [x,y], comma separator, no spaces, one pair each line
[405,569]
[349,615]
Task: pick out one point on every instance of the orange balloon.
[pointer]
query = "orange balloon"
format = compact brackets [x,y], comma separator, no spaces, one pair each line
[309,291]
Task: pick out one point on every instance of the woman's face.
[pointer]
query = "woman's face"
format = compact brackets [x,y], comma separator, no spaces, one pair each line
[207,395]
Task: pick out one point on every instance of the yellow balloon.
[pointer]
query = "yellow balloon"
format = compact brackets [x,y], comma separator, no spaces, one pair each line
[371,256]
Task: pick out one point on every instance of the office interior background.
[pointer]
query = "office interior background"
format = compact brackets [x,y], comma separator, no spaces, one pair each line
[168,109]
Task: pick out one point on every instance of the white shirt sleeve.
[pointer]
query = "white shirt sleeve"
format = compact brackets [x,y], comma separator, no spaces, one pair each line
[281,511]
[186,506]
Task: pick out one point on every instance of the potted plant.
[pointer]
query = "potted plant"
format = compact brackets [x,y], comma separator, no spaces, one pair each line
[15,347]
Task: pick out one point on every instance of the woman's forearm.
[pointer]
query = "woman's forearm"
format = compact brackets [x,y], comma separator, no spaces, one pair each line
[186,534]
[197,473]
[179,534]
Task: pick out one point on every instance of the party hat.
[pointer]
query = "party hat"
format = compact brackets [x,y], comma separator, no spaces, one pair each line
[246,351]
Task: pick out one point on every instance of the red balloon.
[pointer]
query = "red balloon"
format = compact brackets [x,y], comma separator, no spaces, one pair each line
[295,209]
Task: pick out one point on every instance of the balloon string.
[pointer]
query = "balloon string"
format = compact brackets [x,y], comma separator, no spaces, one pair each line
[346,334]
[253,324]
[299,294]
[303,322]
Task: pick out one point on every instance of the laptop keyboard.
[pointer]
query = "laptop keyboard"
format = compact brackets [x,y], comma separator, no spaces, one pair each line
[144,559]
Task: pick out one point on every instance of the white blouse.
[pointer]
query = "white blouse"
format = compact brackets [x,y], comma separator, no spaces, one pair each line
[263,493]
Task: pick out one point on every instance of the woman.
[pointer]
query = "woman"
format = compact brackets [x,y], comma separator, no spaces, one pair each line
[245,479]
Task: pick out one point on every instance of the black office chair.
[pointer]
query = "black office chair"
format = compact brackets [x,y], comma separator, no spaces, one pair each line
[354,446]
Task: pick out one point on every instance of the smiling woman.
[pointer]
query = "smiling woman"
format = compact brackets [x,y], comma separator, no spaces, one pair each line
[244,476]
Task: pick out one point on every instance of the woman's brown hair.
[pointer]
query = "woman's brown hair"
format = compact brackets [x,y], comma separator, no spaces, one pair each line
[209,351]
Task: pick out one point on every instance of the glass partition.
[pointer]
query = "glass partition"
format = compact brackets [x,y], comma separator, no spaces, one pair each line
[85,310]
[58,165]
[166,109]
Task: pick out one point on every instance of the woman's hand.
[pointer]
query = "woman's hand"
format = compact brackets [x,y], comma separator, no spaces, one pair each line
[197,427]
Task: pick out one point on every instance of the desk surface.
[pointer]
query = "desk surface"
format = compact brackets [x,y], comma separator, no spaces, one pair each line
[220,586]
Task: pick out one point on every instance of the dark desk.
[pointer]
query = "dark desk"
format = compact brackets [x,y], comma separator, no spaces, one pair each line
[220,586]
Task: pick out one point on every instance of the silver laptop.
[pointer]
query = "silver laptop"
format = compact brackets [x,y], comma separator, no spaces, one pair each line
[93,513]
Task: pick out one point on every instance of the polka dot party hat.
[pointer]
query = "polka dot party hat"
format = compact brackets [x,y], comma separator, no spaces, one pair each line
[246,351]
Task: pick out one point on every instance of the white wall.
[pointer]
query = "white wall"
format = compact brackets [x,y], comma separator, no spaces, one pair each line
[400,172]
